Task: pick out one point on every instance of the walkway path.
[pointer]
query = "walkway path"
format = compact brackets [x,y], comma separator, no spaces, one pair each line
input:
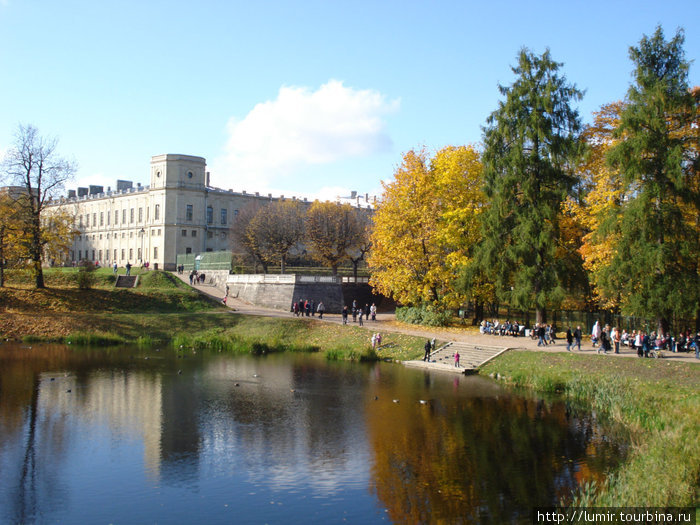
[386,322]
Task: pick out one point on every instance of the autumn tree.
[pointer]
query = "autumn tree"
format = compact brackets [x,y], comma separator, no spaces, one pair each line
[33,164]
[331,231]
[424,226]
[244,238]
[531,142]
[654,267]
[363,242]
[11,230]
[276,229]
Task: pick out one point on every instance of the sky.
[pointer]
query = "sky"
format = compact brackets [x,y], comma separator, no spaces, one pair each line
[305,98]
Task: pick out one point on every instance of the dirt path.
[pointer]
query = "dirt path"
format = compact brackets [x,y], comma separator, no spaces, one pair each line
[386,322]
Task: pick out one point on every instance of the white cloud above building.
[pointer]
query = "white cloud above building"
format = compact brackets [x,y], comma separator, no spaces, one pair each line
[280,139]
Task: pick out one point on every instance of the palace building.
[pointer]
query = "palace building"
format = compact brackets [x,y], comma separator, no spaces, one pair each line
[179,212]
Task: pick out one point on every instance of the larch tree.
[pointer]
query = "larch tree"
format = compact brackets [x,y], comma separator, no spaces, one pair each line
[656,261]
[530,145]
[33,165]
[424,226]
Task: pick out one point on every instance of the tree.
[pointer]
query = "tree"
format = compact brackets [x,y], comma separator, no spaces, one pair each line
[363,243]
[655,265]
[427,219]
[10,232]
[276,229]
[34,165]
[331,231]
[531,143]
[243,237]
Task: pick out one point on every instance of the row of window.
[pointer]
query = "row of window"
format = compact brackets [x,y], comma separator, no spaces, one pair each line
[96,255]
[107,215]
[189,214]
[155,232]
[210,234]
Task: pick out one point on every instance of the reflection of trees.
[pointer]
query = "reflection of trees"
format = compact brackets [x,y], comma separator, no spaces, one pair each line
[477,459]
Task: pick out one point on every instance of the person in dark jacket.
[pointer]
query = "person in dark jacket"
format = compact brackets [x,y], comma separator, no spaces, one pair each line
[428,347]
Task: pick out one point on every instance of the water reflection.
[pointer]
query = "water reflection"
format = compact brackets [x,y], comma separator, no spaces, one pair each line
[126,435]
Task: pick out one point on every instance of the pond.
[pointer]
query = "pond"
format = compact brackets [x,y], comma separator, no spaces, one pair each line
[127,435]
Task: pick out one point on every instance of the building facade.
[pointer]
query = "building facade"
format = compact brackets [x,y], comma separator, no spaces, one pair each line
[179,212]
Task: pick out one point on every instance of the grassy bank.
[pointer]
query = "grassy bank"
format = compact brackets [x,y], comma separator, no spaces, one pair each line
[163,310]
[658,401]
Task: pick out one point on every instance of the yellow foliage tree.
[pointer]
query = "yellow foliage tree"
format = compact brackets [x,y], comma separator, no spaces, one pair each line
[602,193]
[423,228]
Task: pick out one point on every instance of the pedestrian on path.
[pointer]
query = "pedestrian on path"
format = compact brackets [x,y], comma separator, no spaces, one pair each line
[428,346]
[457,359]
[569,339]
[345,314]
[320,309]
[577,337]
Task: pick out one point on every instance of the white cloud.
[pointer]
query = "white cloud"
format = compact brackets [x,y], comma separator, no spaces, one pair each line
[303,128]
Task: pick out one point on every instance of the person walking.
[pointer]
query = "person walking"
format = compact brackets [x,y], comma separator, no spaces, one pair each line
[373,311]
[128,268]
[569,339]
[578,335]
[616,338]
[595,333]
[427,348]
[457,359]
[345,314]
[320,309]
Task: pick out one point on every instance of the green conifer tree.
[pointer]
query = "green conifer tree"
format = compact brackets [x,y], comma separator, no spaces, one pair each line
[656,261]
[531,142]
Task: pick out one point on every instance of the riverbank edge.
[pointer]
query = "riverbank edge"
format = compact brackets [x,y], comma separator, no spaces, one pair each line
[662,468]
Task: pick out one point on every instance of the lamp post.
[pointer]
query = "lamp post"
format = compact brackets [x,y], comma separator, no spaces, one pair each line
[141,233]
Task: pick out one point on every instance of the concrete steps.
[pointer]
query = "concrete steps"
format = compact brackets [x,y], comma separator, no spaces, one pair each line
[126,281]
[471,357]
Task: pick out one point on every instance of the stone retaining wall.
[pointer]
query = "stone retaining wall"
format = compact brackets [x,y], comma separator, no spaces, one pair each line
[281,291]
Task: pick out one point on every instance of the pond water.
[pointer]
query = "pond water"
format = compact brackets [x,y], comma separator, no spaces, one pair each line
[124,435]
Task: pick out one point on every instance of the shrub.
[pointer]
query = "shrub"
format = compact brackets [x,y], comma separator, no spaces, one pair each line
[423,315]
[85,278]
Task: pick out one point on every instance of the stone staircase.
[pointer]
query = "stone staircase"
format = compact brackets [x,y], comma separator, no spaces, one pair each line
[471,357]
[126,281]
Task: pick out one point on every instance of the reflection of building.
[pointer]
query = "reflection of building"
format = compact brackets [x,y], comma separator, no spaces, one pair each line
[178,213]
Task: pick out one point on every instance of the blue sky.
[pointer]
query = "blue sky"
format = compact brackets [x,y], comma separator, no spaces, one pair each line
[307,98]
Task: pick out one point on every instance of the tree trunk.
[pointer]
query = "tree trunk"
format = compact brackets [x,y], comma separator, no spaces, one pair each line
[662,326]
[478,312]
[540,315]
[334,270]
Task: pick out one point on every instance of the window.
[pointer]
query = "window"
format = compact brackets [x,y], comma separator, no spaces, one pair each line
[116,217]
[80,255]
[210,235]
[188,250]
[93,255]
[122,254]
[108,216]
[99,255]
[131,253]
[223,235]
[184,233]
[210,214]
[138,254]
[189,174]
[94,220]
[124,216]
[131,215]
[148,212]
[87,220]
[224,215]
[155,252]
[102,218]
[235,213]
[156,213]
[80,221]
[140,215]
[115,254]
[194,233]
[188,213]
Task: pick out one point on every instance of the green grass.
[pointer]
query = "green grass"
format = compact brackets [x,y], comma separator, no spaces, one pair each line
[658,401]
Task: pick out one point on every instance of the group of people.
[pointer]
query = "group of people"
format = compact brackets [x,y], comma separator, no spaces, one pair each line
[495,327]
[309,308]
[358,311]
[196,277]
